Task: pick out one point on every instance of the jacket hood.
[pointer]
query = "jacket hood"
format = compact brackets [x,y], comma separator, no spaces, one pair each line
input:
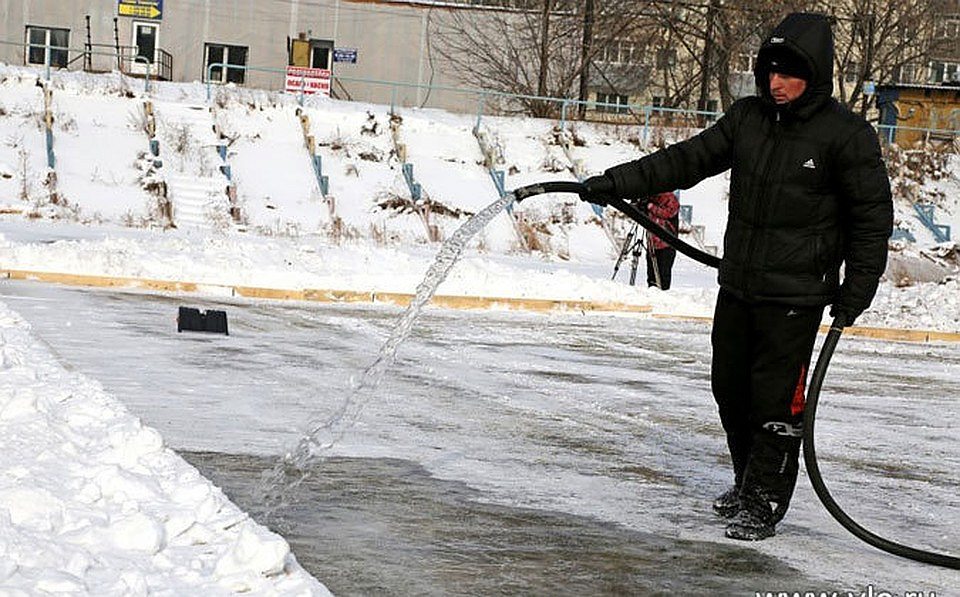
[809,39]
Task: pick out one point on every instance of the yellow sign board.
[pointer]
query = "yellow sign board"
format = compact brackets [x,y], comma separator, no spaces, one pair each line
[142,9]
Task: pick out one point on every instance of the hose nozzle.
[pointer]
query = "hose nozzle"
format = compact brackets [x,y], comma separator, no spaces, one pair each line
[540,188]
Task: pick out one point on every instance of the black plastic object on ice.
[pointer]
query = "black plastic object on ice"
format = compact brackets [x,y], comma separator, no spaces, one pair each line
[195,320]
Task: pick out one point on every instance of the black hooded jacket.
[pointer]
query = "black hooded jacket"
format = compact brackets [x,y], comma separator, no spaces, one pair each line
[808,188]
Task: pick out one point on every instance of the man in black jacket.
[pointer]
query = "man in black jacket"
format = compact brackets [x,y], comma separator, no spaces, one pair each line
[808,192]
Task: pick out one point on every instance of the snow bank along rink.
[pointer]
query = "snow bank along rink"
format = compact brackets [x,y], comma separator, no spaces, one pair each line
[91,502]
[283,267]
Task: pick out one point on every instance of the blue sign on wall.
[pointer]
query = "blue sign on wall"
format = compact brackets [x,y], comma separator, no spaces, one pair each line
[141,9]
[345,55]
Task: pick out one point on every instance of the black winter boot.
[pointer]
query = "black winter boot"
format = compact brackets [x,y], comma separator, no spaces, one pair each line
[755,520]
[727,504]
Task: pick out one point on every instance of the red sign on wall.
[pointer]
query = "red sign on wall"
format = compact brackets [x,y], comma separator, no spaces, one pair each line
[308,81]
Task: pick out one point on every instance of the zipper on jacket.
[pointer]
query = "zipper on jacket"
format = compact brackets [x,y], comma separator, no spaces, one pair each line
[758,209]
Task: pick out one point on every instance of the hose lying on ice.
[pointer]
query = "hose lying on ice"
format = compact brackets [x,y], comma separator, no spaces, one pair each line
[813,391]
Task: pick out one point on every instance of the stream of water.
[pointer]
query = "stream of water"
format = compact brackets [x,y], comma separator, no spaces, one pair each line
[322,434]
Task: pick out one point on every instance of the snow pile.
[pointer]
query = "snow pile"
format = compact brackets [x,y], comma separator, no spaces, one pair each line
[929,306]
[91,502]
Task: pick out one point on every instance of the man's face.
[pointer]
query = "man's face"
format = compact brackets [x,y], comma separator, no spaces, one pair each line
[785,88]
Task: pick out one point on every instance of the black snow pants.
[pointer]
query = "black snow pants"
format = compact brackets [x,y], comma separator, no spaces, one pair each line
[664,266]
[761,354]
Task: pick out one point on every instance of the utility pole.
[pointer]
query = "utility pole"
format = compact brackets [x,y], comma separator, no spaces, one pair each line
[586,48]
[707,59]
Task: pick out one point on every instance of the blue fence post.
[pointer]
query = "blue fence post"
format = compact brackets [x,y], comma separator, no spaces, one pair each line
[51,160]
[322,180]
[480,105]
[646,122]
[413,185]
[500,184]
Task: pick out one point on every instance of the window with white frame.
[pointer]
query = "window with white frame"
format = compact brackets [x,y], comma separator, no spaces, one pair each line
[47,45]
[947,29]
[850,71]
[666,58]
[613,102]
[620,51]
[745,62]
[911,73]
[944,72]
[218,58]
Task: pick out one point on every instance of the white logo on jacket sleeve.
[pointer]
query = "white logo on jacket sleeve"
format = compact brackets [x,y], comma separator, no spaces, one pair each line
[810,164]
[776,40]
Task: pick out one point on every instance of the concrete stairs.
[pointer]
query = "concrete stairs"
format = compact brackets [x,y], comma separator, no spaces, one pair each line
[199,202]
[199,190]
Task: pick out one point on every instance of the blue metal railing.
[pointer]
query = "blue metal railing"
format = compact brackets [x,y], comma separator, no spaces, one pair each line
[48,67]
[904,235]
[941,232]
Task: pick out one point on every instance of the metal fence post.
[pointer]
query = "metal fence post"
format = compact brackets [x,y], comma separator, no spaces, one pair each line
[480,104]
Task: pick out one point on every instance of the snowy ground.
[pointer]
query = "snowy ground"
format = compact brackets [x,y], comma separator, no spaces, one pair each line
[590,420]
[104,494]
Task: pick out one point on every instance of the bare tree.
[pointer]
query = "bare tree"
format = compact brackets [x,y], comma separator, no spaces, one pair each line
[540,50]
[682,51]
[877,40]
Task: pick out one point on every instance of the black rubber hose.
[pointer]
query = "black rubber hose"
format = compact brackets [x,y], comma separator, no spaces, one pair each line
[628,210]
[813,468]
[813,391]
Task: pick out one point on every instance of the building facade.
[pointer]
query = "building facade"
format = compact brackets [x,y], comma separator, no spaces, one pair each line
[255,40]
[365,44]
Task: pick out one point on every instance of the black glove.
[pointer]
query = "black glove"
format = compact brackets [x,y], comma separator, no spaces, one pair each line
[845,315]
[598,190]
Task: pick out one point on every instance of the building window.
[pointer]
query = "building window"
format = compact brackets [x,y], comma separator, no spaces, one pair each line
[851,72]
[221,54]
[619,51]
[947,29]
[944,72]
[910,73]
[745,62]
[614,103]
[41,40]
[666,58]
